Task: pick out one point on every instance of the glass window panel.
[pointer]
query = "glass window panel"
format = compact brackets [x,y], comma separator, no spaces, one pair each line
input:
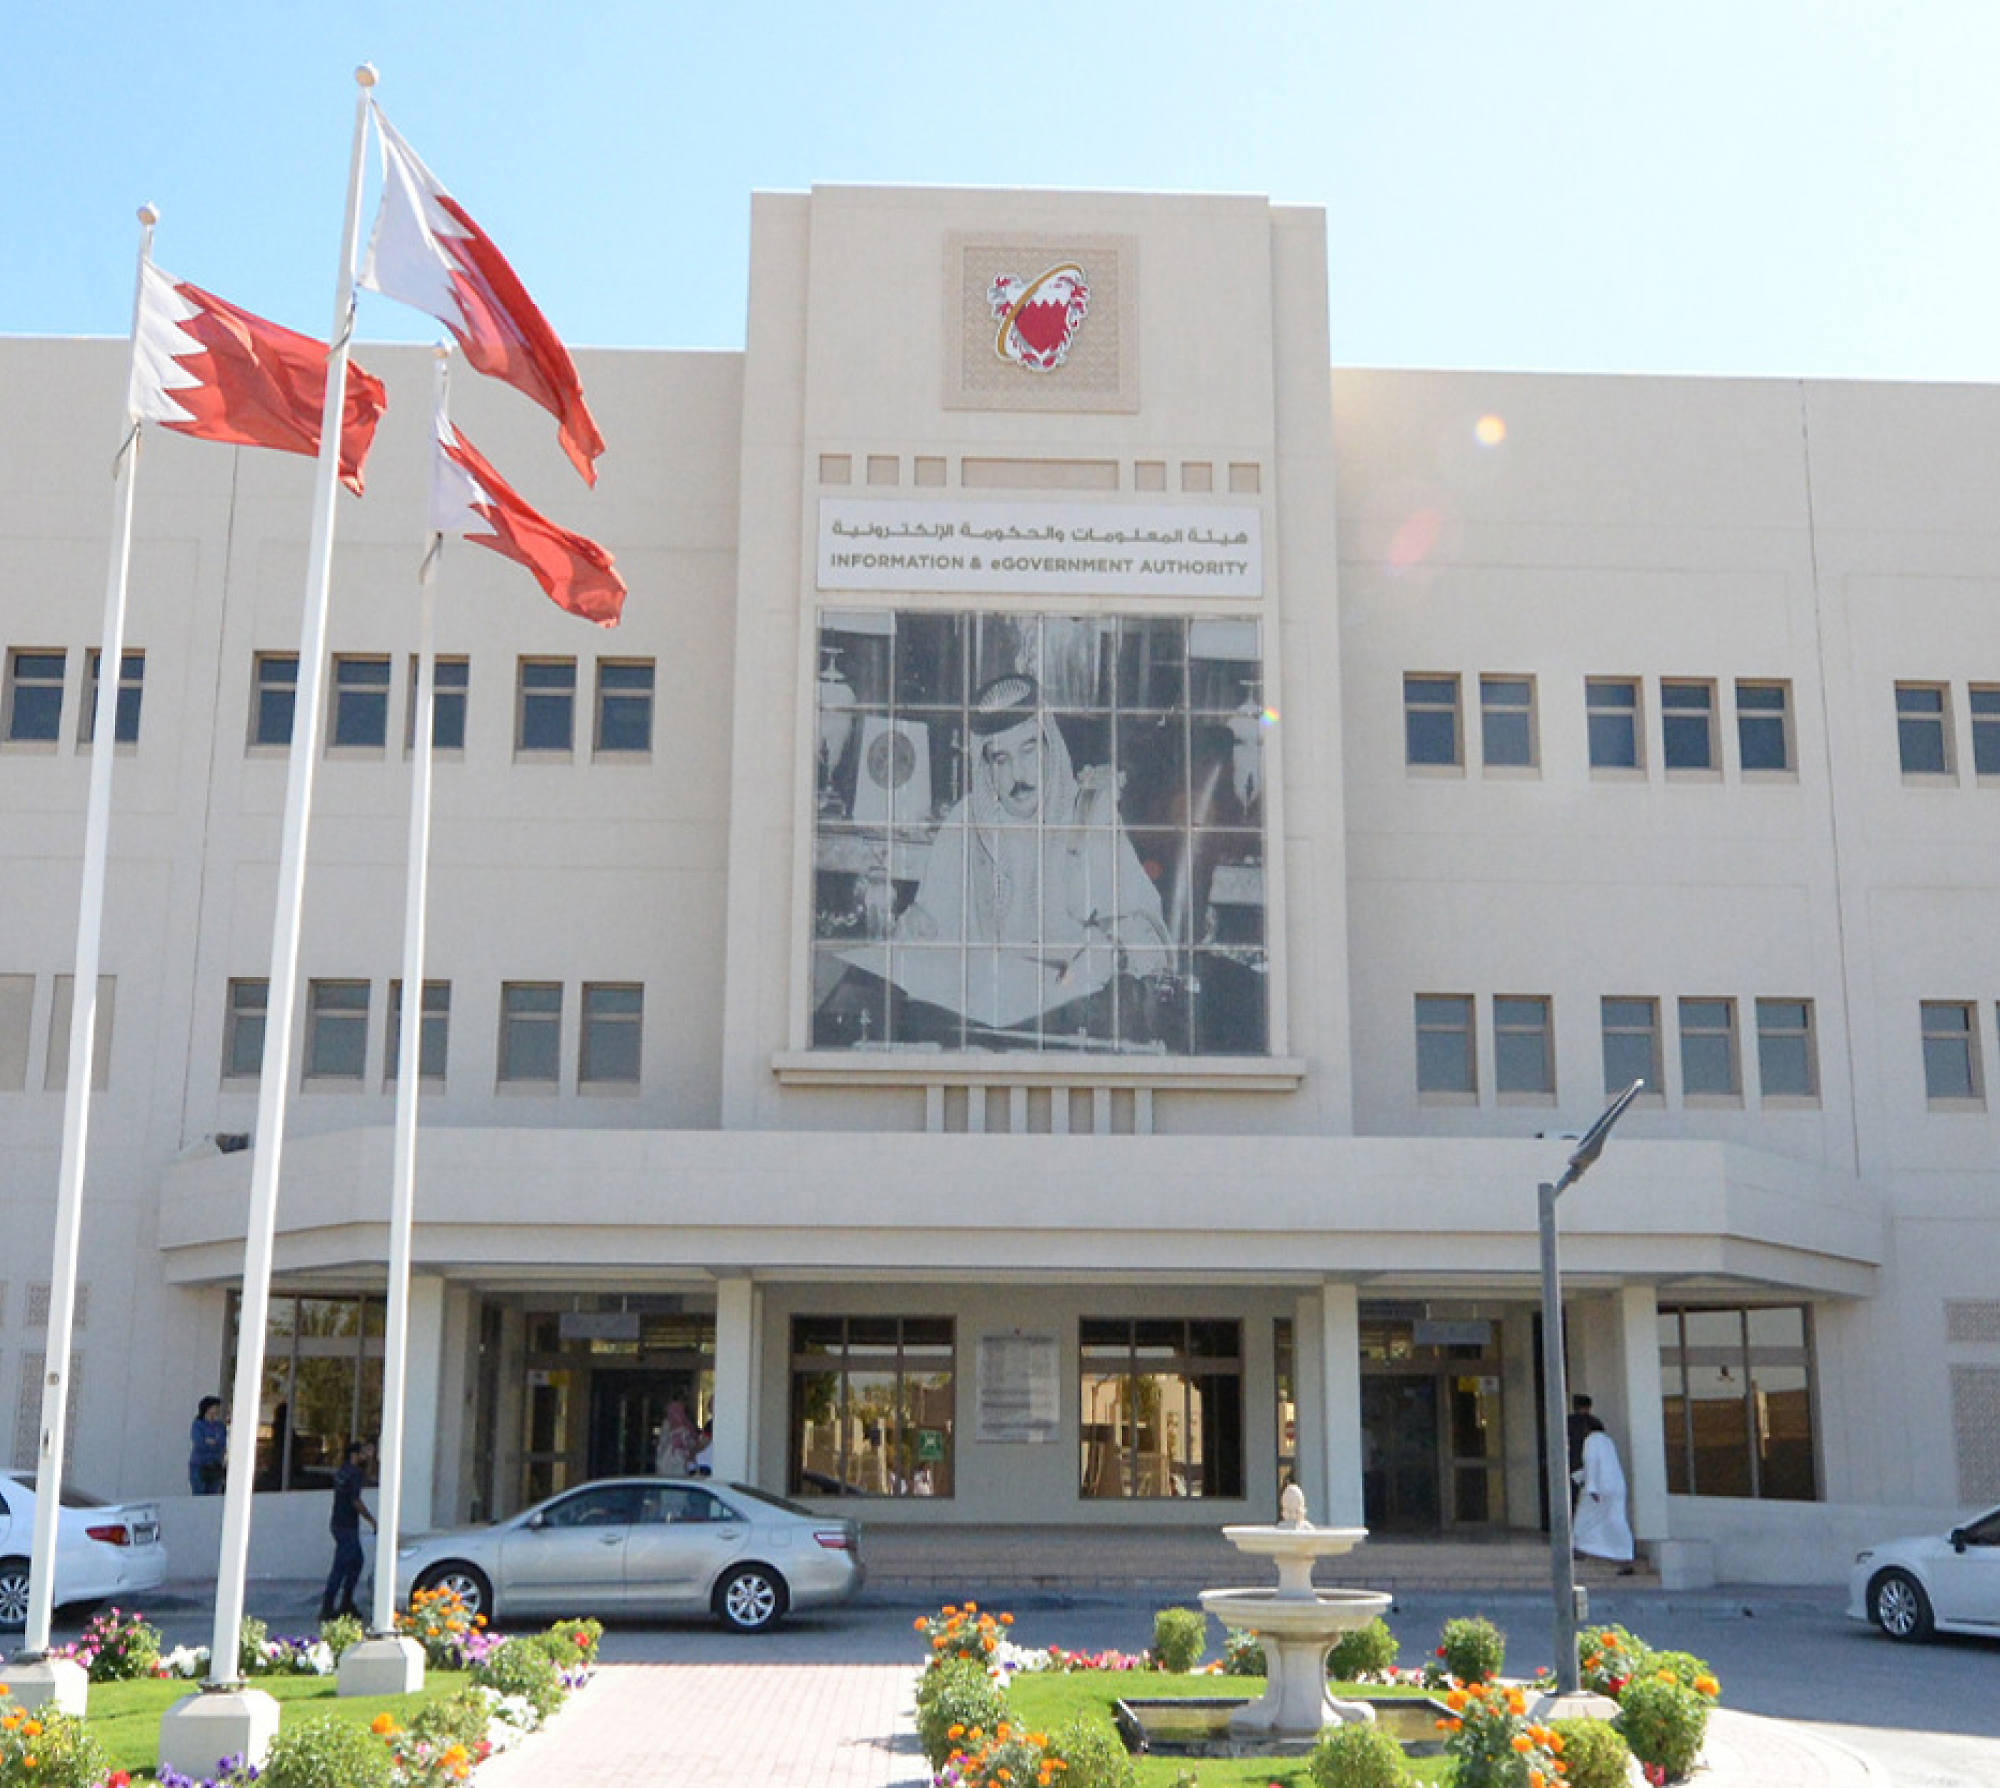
[360,702]
[613,1022]
[1612,716]
[531,1031]
[1522,1060]
[34,696]
[1687,725]
[1951,1054]
[546,712]
[275,698]
[1507,721]
[1708,1048]
[624,705]
[1786,1065]
[243,1028]
[1430,720]
[1985,701]
[336,1030]
[1921,736]
[1631,1030]
[1444,1043]
[131,688]
[1763,726]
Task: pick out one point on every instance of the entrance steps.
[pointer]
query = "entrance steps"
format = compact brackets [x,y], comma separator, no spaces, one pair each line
[954,1562]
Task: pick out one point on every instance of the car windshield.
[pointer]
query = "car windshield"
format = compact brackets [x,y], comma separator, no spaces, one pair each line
[776,1502]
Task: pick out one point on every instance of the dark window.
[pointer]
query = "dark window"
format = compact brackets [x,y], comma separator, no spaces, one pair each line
[275,698]
[531,1032]
[1162,1407]
[449,679]
[433,1031]
[1787,1064]
[613,1019]
[1985,701]
[1611,707]
[243,1029]
[1921,733]
[1445,1061]
[131,685]
[1737,1397]
[34,697]
[1687,725]
[1708,1049]
[1523,1051]
[1507,722]
[360,703]
[546,712]
[1951,1051]
[336,1030]
[1764,726]
[624,706]
[1430,720]
[874,1406]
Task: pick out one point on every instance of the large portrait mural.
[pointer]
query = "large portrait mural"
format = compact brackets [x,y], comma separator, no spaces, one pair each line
[1039,832]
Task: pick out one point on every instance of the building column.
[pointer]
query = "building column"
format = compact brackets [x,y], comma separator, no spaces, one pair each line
[1339,1450]
[422,1391]
[1645,1409]
[739,1309]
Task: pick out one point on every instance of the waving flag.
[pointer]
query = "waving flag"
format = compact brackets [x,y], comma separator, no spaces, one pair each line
[427,253]
[202,367]
[468,497]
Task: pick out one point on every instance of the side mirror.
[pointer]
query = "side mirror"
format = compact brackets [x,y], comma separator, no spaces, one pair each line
[1957,1538]
[535,1522]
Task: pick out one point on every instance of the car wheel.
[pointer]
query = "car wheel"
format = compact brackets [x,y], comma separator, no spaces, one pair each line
[1900,1607]
[468,1582]
[750,1598]
[13,1594]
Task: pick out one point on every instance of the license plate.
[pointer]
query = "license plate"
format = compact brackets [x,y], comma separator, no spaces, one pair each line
[145,1533]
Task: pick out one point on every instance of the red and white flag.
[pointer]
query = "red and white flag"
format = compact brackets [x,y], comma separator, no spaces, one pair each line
[427,253]
[203,367]
[468,497]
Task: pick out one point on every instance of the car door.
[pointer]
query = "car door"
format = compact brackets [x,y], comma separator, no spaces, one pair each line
[1968,1581]
[570,1555]
[684,1538]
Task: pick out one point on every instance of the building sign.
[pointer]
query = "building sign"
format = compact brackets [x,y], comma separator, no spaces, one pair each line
[1018,1380]
[1037,322]
[1039,832]
[1039,317]
[1027,549]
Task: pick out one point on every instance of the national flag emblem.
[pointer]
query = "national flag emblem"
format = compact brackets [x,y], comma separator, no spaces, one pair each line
[468,497]
[204,367]
[427,253]
[1038,317]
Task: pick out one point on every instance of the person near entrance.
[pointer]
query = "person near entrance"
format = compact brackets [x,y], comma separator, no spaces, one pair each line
[680,1442]
[1580,1426]
[349,1511]
[1601,1529]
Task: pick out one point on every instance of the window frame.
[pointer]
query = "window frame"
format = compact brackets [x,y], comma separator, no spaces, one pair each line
[62,1014]
[1680,720]
[1965,1038]
[537,692]
[336,1031]
[1760,720]
[1747,1362]
[1909,719]
[246,1012]
[1509,714]
[1419,708]
[1654,1075]
[451,684]
[27,699]
[358,697]
[1630,719]
[1150,1353]
[612,705]
[433,1031]
[1983,723]
[522,1026]
[1507,1011]
[274,701]
[917,1348]
[127,704]
[1429,1093]
[1773,1035]
[1691,1036]
[601,1030]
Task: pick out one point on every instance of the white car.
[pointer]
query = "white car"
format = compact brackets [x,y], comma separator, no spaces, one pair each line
[103,1549]
[1931,1583]
[634,1546]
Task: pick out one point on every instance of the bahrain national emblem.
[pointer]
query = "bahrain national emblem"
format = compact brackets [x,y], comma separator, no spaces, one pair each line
[1038,317]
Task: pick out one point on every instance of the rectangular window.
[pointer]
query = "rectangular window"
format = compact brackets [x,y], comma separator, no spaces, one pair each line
[1764,727]
[545,708]
[1709,1067]
[56,1075]
[1985,700]
[531,1033]
[1923,732]
[1611,714]
[624,706]
[1162,1407]
[34,697]
[243,1029]
[1787,1061]
[1687,725]
[1737,1398]
[1039,832]
[1430,720]
[322,1384]
[1631,1042]
[613,1020]
[336,1030]
[17,1008]
[1445,1060]
[275,697]
[873,1406]
[1507,722]
[450,678]
[433,1032]
[1523,1049]
[1952,1069]
[360,720]
[131,685]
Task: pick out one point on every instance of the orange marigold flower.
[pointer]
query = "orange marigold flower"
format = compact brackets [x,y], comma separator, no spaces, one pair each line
[954,1732]
[383,1725]
[918,1623]
[1523,1743]
[1455,1700]
[1707,1685]
[31,1729]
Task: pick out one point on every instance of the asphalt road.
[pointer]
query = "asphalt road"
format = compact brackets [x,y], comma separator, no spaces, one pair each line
[1926,1716]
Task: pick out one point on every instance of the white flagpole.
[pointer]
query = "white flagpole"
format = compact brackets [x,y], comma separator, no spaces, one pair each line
[83,1018]
[276,1073]
[409,1072]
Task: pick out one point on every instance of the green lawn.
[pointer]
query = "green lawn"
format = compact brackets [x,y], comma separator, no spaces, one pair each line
[1046,1700]
[125,1716]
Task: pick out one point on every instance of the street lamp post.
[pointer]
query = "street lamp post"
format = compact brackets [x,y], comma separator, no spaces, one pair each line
[1555,1391]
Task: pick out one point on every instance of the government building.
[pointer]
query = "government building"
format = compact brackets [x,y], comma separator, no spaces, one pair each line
[1035,977]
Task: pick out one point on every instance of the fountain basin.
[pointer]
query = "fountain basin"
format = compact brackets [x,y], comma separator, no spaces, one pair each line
[1199,1726]
[1318,1614]
[1297,1629]
[1293,1548]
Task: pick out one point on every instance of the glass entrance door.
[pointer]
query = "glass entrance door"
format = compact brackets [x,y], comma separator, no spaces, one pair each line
[1400,1477]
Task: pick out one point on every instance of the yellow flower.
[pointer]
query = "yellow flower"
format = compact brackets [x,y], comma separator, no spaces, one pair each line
[32,1729]
[1707,1685]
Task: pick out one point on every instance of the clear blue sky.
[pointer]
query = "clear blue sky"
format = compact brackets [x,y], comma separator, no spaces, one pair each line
[1724,186]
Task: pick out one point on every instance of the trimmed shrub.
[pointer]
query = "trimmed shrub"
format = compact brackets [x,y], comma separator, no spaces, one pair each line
[63,1753]
[1664,1721]
[1593,1755]
[958,1694]
[573,1643]
[1356,1754]
[327,1754]
[251,1638]
[1093,1755]
[122,1647]
[522,1667]
[340,1632]
[1364,1652]
[461,1719]
[1180,1636]
[1473,1649]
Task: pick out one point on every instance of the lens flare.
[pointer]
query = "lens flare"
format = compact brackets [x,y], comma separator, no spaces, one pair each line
[1490,431]
[1414,538]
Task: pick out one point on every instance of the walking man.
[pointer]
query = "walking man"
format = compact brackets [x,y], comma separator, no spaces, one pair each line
[349,1511]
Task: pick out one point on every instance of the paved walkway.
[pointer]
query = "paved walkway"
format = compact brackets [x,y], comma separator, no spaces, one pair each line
[851,1726]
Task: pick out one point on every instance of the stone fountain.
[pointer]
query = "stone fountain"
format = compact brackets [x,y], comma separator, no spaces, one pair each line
[1296,1623]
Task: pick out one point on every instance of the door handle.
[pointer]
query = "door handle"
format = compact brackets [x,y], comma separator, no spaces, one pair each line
[611,1539]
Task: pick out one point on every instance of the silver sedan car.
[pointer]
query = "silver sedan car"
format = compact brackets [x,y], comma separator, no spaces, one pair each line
[632,1546]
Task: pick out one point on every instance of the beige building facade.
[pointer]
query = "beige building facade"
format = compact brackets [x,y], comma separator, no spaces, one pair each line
[1035,976]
